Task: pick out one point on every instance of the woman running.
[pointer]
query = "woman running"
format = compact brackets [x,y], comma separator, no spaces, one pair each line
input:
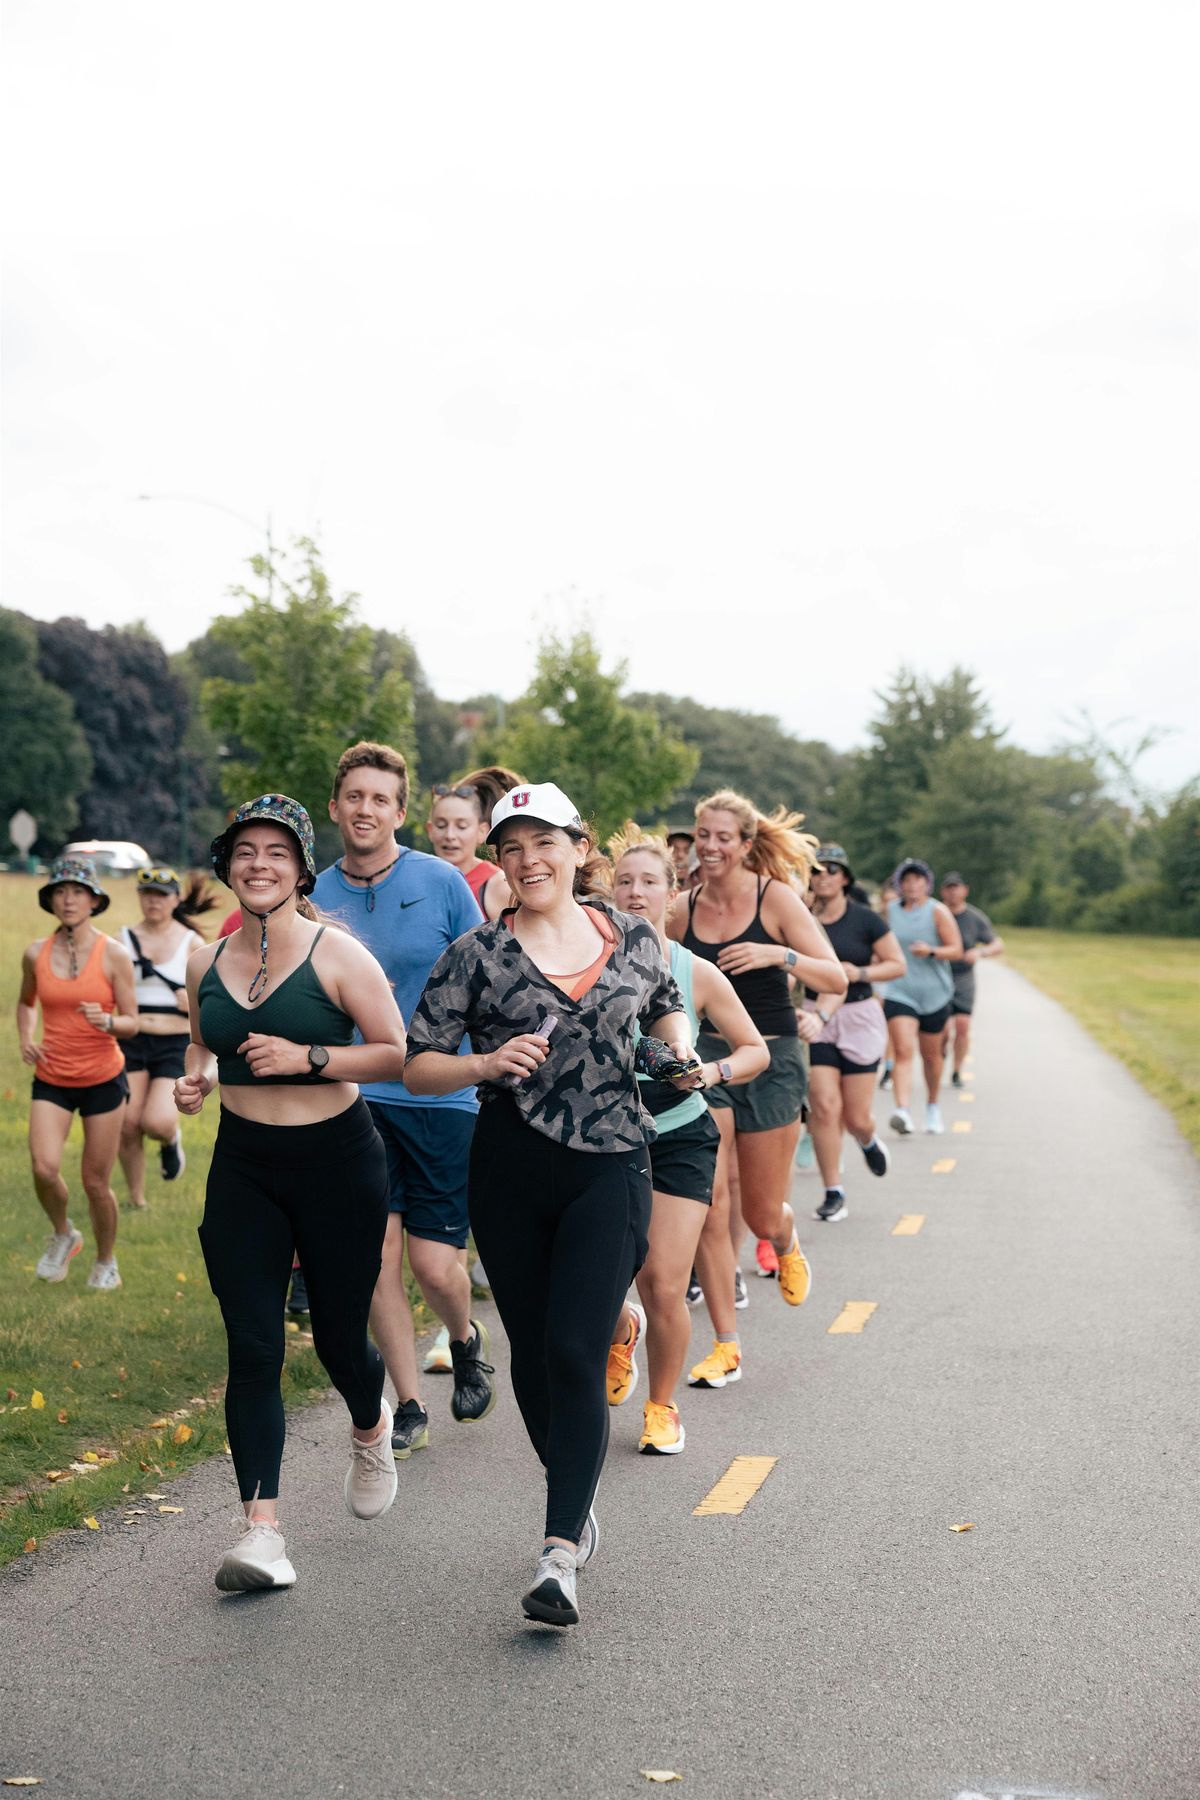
[297,1165]
[917,1006]
[746,917]
[846,1043]
[683,1157]
[560,1182]
[160,948]
[456,828]
[83,982]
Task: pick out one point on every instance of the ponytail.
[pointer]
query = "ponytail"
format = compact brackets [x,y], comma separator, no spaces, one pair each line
[594,880]
[777,849]
[197,898]
[306,909]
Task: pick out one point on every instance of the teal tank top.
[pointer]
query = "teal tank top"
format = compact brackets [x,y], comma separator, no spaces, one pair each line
[691,1106]
[926,985]
[299,1010]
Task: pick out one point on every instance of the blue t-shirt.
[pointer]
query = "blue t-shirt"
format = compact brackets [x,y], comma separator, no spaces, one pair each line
[418,910]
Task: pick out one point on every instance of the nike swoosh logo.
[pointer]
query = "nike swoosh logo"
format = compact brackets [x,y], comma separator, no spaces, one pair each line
[415,902]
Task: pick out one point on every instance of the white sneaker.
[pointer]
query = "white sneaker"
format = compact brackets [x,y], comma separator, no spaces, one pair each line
[257,1560]
[933,1120]
[370,1484]
[438,1360]
[552,1596]
[589,1539]
[901,1121]
[61,1246]
[105,1275]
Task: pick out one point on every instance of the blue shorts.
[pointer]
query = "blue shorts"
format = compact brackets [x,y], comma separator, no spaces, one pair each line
[428,1148]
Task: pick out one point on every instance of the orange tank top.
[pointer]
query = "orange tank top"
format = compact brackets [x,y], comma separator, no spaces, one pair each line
[75,1053]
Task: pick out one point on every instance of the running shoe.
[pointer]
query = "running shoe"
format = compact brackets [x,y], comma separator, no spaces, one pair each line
[61,1246]
[298,1297]
[474,1390]
[806,1156]
[956,1079]
[832,1207]
[720,1368]
[765,1257]
[438,1360]
[258,1560]
[104,1275]
[662,1429]
[741,1294]
[876,1157]
[410,1429]
[551,1599]
[795,1276]
[885,1080]
[171,1159]
[695,1293]
[622,1376]
[589,1539]
[933,1121]
[370,1484]
[901,1121]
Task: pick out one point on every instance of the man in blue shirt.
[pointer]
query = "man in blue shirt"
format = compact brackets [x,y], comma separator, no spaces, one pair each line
[407,907]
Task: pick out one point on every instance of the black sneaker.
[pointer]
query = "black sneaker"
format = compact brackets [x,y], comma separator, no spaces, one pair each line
[876,1157]
[171,1159]
[474,1390]
[885,1080]
[298,1298]
[956,1079]
[695,1293]
[410,1429]
[832,1207]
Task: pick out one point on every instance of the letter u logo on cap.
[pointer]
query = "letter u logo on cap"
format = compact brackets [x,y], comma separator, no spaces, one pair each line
[521,799]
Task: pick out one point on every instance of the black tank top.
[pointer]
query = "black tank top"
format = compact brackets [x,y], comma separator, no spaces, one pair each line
[763,992]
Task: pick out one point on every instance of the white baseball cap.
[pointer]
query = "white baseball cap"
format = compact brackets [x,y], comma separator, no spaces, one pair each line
[543,801]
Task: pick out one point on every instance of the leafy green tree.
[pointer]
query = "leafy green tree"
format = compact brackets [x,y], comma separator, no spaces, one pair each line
[753,754]
[46,764]
[312,686]
[573,727]
[975,813]
[1098,856]
[1178,845]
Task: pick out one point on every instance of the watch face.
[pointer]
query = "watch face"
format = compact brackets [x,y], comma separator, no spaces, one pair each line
[318,1056]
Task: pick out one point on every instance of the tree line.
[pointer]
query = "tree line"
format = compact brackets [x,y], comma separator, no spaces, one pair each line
[107,736]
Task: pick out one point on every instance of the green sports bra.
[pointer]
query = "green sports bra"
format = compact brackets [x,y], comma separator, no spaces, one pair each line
[299,1010]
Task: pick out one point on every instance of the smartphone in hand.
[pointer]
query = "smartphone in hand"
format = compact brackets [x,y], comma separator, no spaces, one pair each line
[545,1030]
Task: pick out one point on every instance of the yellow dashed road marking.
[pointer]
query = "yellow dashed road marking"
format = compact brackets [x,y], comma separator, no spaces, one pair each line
[944,1166]
[909,1225]
[961,1125]
[966,1098]
[853,1316]
[737,1486]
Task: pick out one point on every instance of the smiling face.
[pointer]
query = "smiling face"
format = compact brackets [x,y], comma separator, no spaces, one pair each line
[456,829]
[72,903]
[367,811]
[720,845]
[539,862]
[264,866]
[640,886]
[828,880]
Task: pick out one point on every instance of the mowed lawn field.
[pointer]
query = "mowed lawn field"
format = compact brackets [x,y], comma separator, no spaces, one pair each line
[114,1392]
[1138,996]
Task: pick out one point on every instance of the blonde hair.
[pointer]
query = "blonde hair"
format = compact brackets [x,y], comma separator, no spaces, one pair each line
[631,837]
[777,849]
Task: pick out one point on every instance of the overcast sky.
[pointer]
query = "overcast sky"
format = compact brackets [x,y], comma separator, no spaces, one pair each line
[782,344]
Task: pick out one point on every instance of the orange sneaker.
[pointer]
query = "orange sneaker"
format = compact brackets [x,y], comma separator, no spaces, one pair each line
[795,1276]
[765,1257]
[719,1368]
[662,1433]
[622,1363]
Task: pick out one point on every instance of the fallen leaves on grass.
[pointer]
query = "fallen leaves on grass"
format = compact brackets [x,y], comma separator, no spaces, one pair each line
[154,1496]
[11,1394]
[969,1526]
[181,1279]
[181,1434]
[122,1374]
[92,1524]
[158,1424]
[85,1468]
[63,1415]
[89,1456]
[75,1363]
[30,1546]
[37,1400]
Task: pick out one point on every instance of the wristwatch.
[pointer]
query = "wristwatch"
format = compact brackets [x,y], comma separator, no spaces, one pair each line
[318,1056]
[824,1017]
[789,959]
[725,1071]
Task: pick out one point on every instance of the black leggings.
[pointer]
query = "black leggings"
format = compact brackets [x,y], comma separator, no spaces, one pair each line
[320,1190]
[561,1233]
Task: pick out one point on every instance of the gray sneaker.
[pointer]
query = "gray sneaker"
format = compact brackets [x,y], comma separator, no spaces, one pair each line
[61,1246]
[257,1560]
[589,1539]
[551,1599]
[370,1484]
[104,1275]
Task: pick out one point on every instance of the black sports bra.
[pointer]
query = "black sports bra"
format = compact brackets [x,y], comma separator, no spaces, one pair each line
[763,992]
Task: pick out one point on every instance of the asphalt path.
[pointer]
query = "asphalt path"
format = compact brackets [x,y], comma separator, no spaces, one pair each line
[1030,1368]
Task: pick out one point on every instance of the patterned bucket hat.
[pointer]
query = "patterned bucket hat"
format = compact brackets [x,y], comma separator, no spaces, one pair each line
[157,881]
[72,869]
[276,809]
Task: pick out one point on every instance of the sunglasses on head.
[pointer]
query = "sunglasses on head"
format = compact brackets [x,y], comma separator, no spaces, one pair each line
[444,792]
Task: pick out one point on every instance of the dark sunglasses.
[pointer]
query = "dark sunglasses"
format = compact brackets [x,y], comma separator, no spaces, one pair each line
[442,792]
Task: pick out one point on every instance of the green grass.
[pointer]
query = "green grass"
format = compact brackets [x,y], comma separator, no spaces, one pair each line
[1138,996]
[111,1367]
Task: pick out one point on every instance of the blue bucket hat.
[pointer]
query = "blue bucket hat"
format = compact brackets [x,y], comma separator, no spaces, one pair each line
[66,869]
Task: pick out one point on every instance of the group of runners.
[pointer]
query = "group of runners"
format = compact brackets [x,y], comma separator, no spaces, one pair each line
[597,1065]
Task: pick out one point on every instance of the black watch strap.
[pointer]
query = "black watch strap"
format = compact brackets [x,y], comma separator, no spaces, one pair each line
[318,1057]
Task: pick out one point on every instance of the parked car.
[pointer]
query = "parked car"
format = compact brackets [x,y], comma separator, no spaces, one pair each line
[111,853]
